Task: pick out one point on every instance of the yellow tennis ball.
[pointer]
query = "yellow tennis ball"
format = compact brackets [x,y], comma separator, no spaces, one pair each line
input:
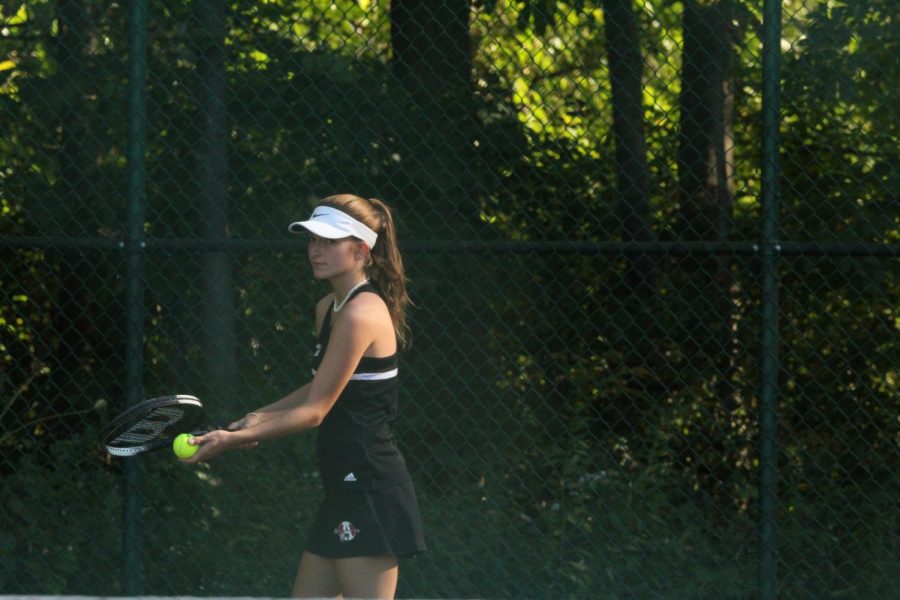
[181,447]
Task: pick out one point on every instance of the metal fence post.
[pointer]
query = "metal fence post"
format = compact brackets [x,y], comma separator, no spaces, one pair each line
[134,249]
[769,394]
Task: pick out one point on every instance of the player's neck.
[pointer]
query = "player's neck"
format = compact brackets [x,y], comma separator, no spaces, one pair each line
[345,285]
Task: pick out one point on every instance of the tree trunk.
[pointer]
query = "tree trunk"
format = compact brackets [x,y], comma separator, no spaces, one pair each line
[431,45]
[633,175]
[705,165]
[706,180]
[219,337]
[705,154]
[432,62]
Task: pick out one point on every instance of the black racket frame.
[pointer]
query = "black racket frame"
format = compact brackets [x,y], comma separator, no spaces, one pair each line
[180,413]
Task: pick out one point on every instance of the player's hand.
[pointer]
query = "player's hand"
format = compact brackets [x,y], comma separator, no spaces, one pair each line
[211,445]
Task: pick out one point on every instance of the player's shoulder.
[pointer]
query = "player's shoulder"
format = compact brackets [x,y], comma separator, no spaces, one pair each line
[366,299]
[365,307]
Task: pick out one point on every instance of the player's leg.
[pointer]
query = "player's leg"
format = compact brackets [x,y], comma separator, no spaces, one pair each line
[316,578]
[367,576]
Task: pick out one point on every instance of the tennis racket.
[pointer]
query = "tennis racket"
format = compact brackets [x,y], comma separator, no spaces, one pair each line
[152,424]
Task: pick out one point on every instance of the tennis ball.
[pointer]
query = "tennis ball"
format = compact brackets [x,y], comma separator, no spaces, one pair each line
[181,447]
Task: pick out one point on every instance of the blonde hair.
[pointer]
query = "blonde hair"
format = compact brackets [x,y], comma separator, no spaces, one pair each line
[385,265]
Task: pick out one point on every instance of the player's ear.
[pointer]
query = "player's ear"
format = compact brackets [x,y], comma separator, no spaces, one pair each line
[362,251]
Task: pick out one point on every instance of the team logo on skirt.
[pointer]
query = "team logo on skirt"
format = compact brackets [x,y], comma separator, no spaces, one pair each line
[346,531]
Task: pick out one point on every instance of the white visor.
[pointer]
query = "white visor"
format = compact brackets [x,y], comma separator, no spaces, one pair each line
[333,224]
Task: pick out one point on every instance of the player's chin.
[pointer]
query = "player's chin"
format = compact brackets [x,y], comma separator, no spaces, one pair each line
[320,271]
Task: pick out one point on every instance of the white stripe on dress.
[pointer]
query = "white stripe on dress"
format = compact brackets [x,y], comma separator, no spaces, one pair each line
[371,376]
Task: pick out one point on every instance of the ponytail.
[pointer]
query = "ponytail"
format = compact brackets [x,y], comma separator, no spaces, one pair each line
[387,271]
[385,268]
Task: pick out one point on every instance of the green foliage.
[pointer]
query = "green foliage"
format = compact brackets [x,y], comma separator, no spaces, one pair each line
[61,518]
[840,101]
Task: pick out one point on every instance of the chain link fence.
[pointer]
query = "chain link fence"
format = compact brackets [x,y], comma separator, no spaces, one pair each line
[652,248]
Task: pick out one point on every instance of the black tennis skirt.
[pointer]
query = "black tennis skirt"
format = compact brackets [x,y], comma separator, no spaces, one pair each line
[379,522]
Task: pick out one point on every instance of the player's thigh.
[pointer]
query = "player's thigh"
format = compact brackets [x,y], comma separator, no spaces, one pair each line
[316,578]
[367,576]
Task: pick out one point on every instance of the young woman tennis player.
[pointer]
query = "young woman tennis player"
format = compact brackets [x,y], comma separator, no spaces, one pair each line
[370,515]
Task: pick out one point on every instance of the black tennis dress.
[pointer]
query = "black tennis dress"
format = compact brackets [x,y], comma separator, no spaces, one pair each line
[370,506]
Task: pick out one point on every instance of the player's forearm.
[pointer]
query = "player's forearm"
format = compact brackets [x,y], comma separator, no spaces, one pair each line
[280,423]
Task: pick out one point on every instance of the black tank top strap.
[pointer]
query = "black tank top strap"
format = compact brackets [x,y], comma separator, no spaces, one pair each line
[326,324]
[368,287]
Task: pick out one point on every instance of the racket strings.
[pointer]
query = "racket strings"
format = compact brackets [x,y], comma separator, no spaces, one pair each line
[150,427]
